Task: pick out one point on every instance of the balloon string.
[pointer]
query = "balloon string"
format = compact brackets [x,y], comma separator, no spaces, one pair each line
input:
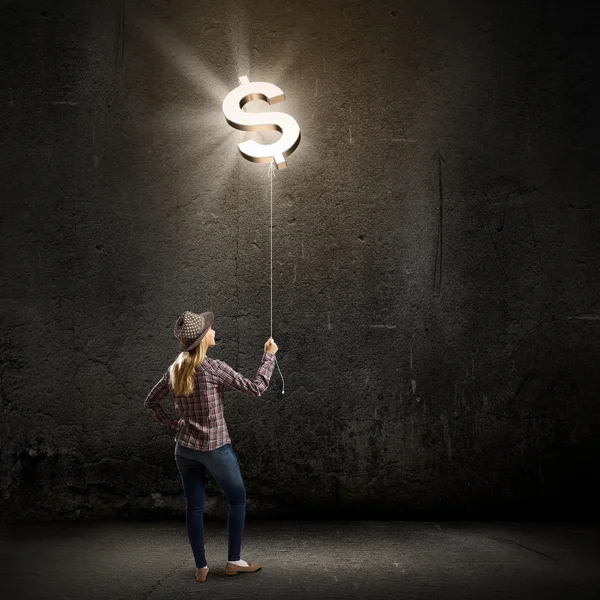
[271,173]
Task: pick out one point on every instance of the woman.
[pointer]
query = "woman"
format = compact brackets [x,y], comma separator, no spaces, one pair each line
[202,440]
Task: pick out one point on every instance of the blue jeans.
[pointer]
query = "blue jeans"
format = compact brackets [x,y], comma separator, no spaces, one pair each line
[223,466]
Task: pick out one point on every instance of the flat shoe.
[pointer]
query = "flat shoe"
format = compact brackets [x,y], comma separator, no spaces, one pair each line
[201,574]
[235,569]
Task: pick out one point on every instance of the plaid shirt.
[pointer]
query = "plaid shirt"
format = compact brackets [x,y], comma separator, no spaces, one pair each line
[200,424]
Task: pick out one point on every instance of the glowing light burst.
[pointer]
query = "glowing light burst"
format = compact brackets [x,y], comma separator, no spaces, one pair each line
[196,127]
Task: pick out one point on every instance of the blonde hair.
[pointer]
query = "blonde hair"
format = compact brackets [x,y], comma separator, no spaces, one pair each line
[181,372]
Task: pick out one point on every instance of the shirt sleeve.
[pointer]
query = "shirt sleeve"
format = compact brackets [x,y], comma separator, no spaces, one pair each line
[153,405]
[254,387]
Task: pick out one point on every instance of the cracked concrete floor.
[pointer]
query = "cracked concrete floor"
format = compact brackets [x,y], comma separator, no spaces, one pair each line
[303,559]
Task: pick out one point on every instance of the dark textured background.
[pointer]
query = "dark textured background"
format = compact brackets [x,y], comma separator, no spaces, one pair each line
[435,270]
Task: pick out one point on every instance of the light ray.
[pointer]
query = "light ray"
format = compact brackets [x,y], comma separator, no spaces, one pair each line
[186,62]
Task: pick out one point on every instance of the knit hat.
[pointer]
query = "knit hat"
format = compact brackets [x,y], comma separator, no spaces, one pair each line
[191,328]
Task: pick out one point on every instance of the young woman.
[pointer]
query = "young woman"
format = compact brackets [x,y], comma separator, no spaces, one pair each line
[197,382]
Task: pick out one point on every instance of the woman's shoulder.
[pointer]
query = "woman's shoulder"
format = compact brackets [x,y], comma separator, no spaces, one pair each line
[208,364]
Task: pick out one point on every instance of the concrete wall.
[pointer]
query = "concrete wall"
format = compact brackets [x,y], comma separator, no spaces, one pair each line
[435,254]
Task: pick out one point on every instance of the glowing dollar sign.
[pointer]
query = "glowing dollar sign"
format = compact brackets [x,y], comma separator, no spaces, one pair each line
[240,119]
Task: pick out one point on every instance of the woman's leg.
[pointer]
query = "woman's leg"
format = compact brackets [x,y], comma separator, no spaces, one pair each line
[224,467]
[193,479]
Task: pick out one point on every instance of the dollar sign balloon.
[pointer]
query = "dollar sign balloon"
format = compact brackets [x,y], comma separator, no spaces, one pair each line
[240,119]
